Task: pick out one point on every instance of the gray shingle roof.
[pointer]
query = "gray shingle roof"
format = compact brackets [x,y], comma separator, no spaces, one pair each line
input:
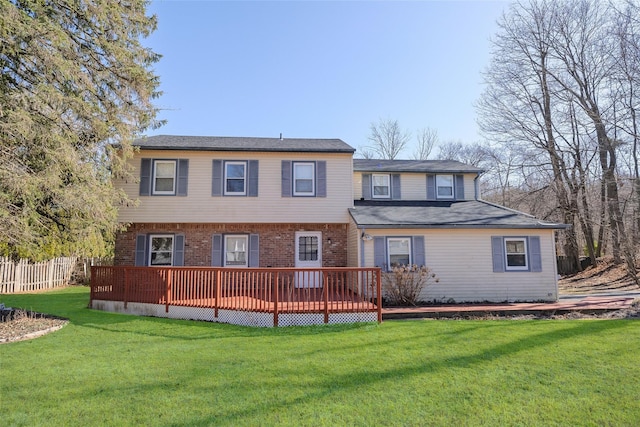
[227,143]
[423,166]
[467,214]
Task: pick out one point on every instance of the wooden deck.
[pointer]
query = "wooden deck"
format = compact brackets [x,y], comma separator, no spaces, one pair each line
[270,290]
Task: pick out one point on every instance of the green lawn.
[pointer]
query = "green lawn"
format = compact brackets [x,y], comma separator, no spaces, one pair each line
[112,369]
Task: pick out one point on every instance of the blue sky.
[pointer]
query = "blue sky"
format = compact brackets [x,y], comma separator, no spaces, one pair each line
[321,69]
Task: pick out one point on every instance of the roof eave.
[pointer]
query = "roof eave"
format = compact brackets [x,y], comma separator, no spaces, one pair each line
[244,149]
[465,226]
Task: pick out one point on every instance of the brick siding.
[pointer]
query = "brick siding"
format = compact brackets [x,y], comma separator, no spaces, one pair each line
[277,247]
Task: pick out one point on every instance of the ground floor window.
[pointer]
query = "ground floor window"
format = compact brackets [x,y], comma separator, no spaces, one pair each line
[516,253]
[235,250]
[399,251]
[160,250]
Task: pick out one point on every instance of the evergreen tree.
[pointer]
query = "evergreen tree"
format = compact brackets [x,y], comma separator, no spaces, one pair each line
[76,87]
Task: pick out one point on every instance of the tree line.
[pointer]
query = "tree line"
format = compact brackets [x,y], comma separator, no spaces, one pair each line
[559,118]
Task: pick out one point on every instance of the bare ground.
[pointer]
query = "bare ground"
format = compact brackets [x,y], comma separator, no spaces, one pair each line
[606,276]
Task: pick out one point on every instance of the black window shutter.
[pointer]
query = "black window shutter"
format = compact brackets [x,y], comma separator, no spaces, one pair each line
[141,250]
[418,251]
[459,195]
[178,250]
[216,181]
[395,187]
[183,177]
[321,178]
[431,187]
[216,250]
[535,254]
[286,178]
[497,253]
[253,178]
[254,250]
[366,186]
[145,177]
[379,253]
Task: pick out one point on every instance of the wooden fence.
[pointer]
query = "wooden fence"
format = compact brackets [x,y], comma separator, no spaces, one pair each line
[24,276]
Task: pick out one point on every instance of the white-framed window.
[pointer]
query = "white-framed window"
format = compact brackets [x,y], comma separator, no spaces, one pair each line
[304,179]
[381,188]
[236,250]
[164,177]
[160,250]
[398,251]
[515,251]
[235,178]
[444,186]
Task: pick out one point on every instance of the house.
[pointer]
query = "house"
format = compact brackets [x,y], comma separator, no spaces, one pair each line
[306,203]
[430,213]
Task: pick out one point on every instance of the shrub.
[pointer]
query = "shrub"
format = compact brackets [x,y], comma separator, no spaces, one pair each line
[404,283]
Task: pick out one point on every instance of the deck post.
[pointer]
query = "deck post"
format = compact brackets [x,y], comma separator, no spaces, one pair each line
[216,297]
[126,287]
[168,290]
[379,294]
[275,299]
[325,284]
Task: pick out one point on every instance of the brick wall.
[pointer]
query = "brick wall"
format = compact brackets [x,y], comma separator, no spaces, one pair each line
[277,246]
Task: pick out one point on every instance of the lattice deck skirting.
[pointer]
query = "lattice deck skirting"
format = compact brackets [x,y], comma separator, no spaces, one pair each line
[235,317]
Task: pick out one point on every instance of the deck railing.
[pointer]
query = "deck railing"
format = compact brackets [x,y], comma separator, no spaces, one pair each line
[265,290]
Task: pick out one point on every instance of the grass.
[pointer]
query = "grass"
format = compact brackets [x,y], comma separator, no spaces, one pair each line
[113,369]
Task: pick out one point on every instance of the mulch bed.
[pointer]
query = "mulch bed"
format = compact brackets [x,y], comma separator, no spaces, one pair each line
[18,325]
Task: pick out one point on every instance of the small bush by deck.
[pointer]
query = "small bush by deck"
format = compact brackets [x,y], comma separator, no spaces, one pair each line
[112,369]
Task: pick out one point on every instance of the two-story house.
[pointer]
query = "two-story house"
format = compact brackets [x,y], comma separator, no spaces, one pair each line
[429,213]
[274,202]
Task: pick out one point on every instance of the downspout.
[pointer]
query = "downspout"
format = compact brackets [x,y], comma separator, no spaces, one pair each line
[364,230]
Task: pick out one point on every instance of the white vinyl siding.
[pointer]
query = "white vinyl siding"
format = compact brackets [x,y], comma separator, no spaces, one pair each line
[414,186]
[476,281]
[269,207]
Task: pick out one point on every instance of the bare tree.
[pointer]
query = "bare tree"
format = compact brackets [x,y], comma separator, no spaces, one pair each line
[388,139]
[563,83]
[426,139]
[471,154]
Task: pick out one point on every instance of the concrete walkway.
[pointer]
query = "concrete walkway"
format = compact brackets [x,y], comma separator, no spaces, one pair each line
[595,303]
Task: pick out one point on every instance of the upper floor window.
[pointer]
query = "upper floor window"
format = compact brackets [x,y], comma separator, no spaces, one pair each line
[160,250]
[381,188]
[304,179]
[444,186]
[164,177]
[235,178]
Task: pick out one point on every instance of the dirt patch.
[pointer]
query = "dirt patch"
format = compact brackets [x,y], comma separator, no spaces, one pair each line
[605,277]
[22,325]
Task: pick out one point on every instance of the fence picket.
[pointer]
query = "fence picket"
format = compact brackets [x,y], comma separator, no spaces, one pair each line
[24,276]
